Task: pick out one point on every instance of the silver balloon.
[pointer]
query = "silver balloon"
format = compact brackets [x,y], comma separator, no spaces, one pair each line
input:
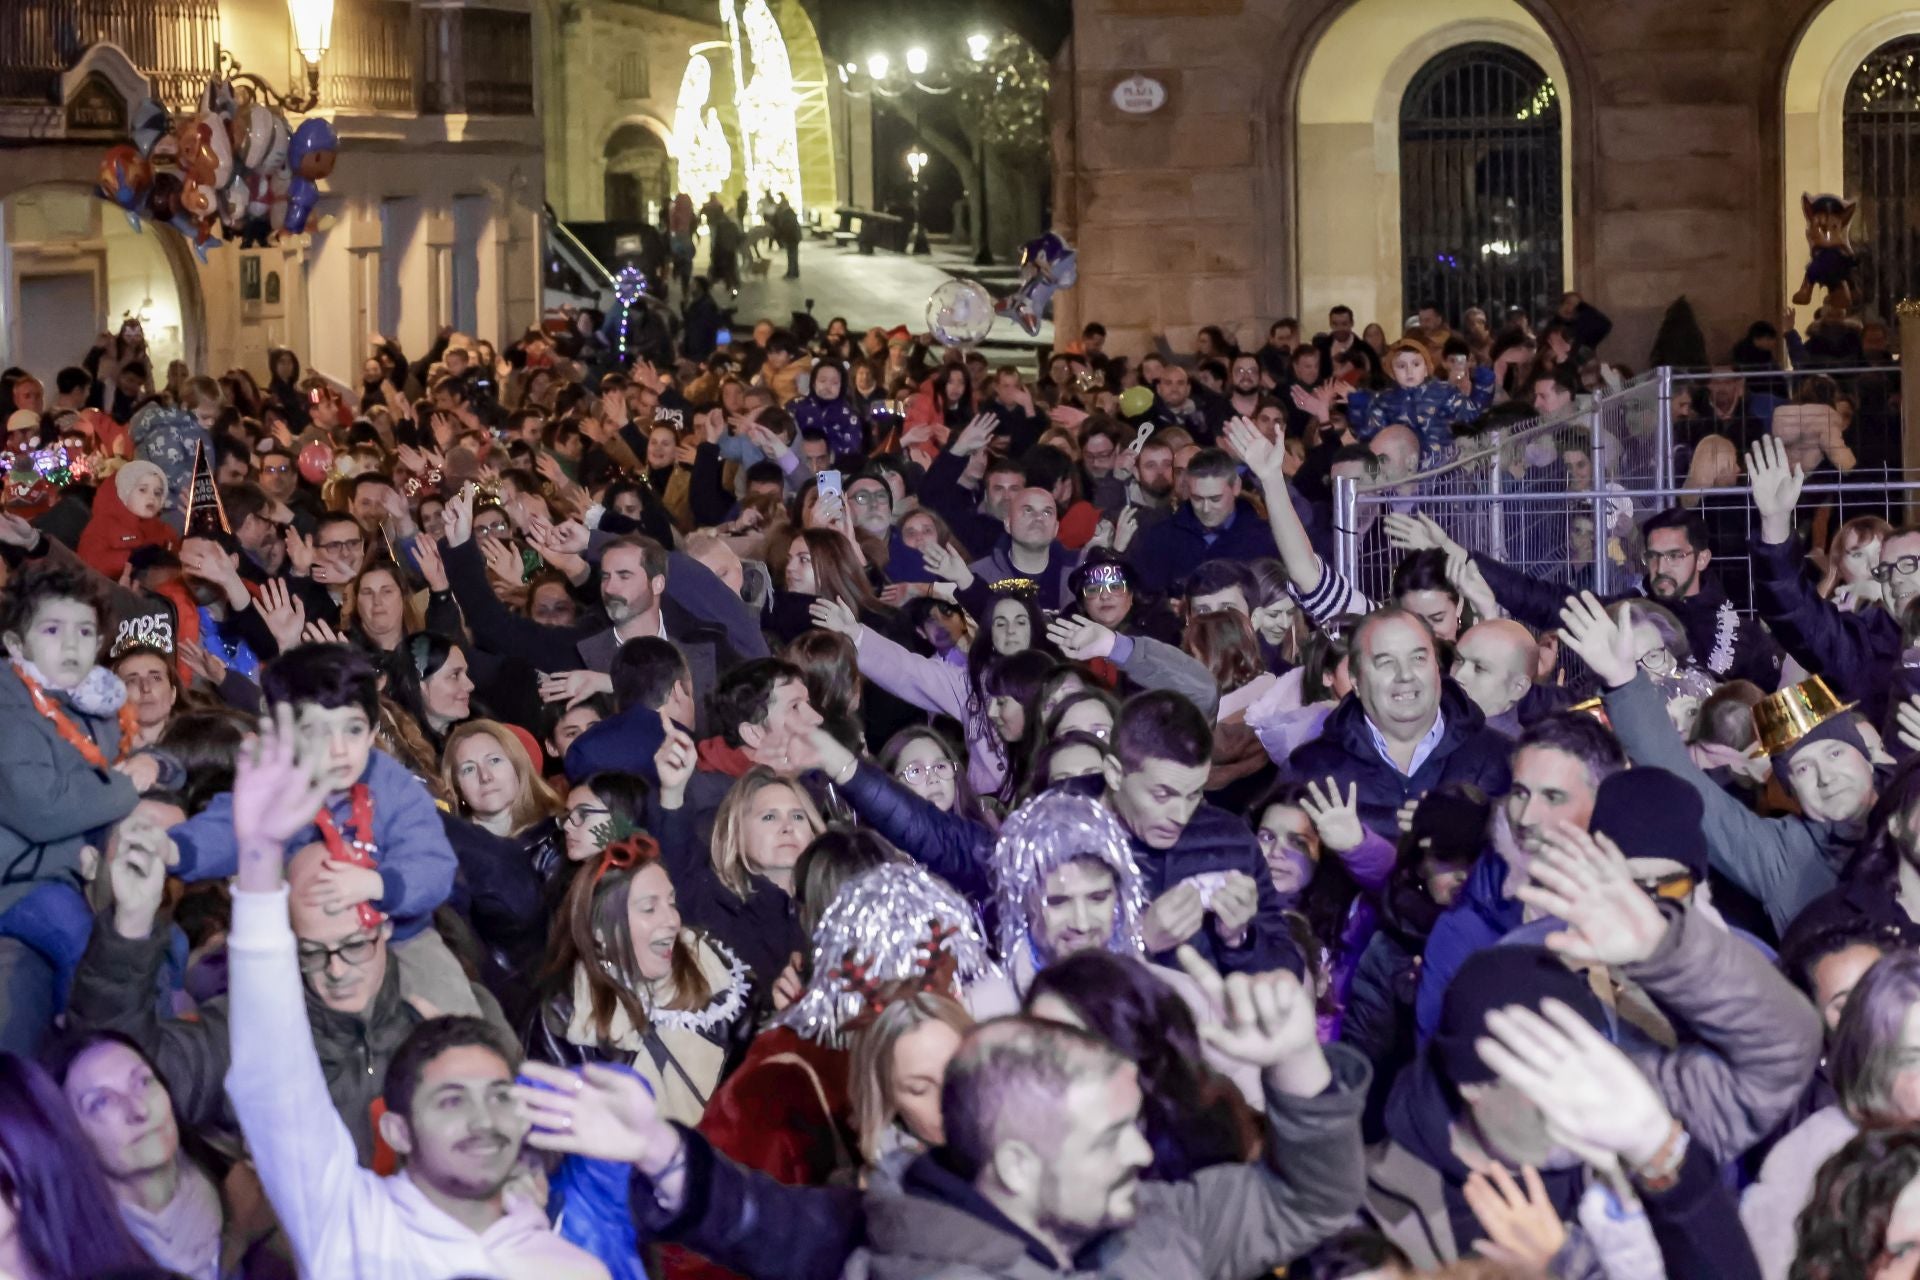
[959,313]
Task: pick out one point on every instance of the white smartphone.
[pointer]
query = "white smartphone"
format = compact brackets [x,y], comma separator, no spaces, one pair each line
[829,485]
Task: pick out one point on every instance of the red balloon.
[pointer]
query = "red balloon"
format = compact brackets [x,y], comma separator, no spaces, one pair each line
[315,461]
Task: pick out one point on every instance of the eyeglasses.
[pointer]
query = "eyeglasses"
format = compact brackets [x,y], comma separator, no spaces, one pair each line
[341,546]
[354,951]
[1905,567]
[1658,662]
[938,770]
[1105,588]
[583,814]
[1677,887]
[1671,557]
[280,470]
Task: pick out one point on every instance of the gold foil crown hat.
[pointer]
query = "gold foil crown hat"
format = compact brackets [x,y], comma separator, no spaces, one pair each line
[1782,719]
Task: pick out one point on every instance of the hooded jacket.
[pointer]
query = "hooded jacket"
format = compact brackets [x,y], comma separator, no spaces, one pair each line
[343,1221]
[1165,555]
[1468,751]
[1214,840]
[115,532]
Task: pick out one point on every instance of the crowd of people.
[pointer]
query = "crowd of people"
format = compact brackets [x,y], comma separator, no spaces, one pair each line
[815,804]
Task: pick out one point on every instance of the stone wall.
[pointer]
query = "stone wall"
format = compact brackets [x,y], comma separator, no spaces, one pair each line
[1191,215]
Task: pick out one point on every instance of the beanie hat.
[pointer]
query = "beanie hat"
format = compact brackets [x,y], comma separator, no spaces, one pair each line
[1838,728]
[132,473]
[1451,822]
[1495,978]
[1651,813]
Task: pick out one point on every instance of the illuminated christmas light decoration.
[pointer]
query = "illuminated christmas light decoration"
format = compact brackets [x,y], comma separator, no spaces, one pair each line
[628,288]
[768,104]
[699,146]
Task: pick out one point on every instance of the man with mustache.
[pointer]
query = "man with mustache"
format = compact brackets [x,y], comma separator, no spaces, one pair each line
[450,1114]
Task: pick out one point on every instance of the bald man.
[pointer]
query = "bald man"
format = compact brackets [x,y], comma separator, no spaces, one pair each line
[1493,665]
[1398,449]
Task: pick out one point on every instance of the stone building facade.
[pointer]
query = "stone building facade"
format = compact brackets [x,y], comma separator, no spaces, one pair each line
[1268,181]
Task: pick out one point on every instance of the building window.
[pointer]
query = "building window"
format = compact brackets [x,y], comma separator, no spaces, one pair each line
[633,76]
[1880,133]
[1480,199]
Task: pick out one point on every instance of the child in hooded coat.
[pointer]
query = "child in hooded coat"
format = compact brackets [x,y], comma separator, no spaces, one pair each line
[126,516]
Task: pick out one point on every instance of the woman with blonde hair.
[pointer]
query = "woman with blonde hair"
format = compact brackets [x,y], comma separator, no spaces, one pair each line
[897,1065]
[625,981]
[738,886]
[486,768]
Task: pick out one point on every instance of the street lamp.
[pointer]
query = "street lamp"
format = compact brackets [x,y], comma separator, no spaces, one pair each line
[916,161]
[977,45]
[312,36]
[877,65]
[916,61]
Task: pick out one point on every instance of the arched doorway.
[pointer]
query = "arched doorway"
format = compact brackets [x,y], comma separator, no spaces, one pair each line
[1851,126]
[1880,140]
[1480,208]
[72,267]
[1347,153]
[639,174]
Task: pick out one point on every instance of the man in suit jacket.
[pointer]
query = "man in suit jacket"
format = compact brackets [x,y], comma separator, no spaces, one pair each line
[710,625]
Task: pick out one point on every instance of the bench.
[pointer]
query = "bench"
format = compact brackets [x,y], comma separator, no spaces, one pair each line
[870,228]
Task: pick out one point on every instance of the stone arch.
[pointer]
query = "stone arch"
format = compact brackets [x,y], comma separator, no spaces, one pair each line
[1347,132]
[1529,25]
[1826,50]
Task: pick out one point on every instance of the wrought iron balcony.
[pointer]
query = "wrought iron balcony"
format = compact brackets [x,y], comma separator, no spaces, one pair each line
[171,41]
[374,62]
[479,61]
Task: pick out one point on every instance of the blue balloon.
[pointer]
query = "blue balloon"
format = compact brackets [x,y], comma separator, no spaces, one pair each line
[310,152]
[301,197]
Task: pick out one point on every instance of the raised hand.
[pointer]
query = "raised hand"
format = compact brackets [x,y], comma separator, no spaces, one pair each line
[138,855]
[1336,819]
[426,555]
[604,1113]
[1318,403]
[835,615]
[948,564]
[1263,457]
[1125,528]
[1594,1100]
[203,663]
[1266,1020]
[1464,573]
[1523,1228]
[673,764]
[17,532]
[818,749]
[1584,880]
[1602,643]
[283,612]
[1081,638]
[504,566]
[1776,488]
[320,631]
[573,687]
[456,517]
[569,537]
[974,436]
[1066,415]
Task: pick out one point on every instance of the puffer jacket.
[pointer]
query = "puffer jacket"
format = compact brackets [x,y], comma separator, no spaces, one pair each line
[1468,751]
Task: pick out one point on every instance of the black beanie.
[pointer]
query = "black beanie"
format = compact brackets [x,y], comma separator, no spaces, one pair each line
[1651,813]
[1835,728]
[1495,978]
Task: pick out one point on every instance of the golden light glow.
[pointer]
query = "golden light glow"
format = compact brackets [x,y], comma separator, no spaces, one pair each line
[767,103]
[312,27]
[699,147]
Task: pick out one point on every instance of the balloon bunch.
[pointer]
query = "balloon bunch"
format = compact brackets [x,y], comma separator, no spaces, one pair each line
[233,167]
[1047,263]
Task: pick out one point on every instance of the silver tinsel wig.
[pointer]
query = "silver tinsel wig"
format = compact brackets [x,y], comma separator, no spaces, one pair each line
[895,927]
[1043,835]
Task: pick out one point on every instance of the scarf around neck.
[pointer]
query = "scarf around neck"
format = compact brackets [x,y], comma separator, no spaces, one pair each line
[184,1235]
[99,693]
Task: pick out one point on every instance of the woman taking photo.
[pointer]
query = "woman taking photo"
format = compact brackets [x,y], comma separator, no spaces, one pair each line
[625,982]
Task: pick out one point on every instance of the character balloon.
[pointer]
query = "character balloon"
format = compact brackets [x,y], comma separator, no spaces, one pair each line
[125,178]
[959,313]
[310,153]
[151,124]
[1831,262]
[1047,263]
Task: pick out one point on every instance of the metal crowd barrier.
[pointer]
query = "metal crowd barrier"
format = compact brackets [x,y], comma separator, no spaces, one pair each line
[1562,498]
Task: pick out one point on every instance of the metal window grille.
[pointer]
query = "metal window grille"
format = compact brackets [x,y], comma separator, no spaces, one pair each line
[1480,194]
[1880,131]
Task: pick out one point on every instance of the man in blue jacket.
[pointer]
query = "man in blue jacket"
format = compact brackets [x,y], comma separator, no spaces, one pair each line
[1200,865]
[1404,729]
[1214,523]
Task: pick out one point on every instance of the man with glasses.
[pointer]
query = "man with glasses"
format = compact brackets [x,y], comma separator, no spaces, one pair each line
[1857,653]
[353,1001]
[278,473]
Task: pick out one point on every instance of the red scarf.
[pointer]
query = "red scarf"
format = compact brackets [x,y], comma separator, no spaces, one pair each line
[357,852]
[70,732]
[716,756]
